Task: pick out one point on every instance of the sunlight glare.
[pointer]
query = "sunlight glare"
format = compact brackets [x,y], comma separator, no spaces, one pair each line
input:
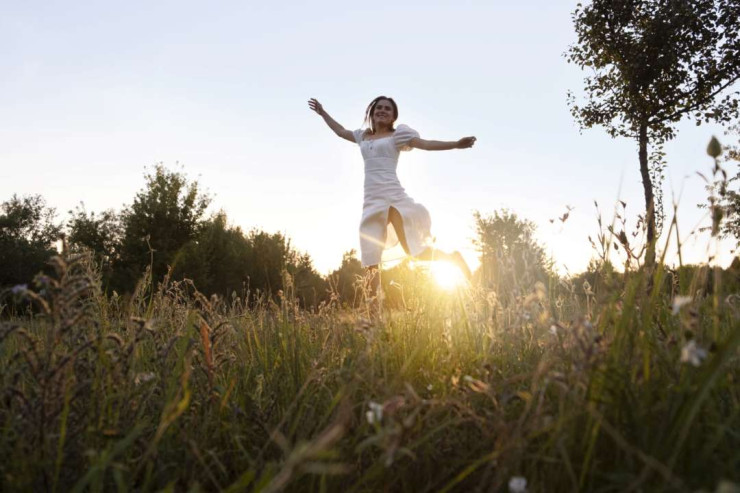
[446,275]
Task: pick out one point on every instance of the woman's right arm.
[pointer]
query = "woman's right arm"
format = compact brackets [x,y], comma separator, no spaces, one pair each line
[338,129]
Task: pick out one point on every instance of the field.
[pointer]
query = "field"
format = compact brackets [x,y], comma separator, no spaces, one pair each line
[611,382]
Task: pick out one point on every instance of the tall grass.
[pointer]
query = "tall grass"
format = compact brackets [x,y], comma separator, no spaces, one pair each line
[456,392]
[624,382]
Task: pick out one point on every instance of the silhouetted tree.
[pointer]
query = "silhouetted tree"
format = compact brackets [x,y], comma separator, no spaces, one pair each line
[27,236]
[217,261]
[310,287]
[510,257]
[165,215]
[271,256]
[99,233]
[654,63]
[223,260]
[344,280]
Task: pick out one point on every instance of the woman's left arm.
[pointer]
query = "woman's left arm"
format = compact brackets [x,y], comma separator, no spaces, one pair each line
[441,145]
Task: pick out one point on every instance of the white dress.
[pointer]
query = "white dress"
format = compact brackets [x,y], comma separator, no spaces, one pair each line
[383,191]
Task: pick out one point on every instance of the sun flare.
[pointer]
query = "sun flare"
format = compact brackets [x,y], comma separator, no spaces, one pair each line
[446,275]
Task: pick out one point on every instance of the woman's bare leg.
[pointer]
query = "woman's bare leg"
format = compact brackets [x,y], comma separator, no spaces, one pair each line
[395,218]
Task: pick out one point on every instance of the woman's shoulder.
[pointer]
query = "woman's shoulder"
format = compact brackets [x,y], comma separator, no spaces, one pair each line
[359,134]
[403,130]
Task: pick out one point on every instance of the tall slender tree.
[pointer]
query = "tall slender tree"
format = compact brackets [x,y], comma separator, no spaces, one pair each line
[653,63]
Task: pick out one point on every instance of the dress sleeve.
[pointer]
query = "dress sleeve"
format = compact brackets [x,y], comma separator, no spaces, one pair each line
[358,134]
[403,135]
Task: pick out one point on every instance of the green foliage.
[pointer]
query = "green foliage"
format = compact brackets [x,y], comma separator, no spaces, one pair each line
[271,256]
[164,227]
[216,261]
[510,256]
[100,234]
[730,195]
[346,281]
[269,253]
[654,63]
[27,236]
[164,216]
[454,392]
[223,260]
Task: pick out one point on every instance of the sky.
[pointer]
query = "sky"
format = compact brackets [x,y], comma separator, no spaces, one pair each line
[94,93]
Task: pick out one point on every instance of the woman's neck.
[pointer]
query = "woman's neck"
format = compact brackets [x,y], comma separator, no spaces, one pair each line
[382,129]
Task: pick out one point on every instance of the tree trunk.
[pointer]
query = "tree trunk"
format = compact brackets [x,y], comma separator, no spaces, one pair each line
[647,185]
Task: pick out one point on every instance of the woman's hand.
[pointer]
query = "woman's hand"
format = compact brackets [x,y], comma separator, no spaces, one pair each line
[337,128]
[465,142]
[316,106]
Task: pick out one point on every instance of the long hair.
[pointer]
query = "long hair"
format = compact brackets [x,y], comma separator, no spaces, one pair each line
[371,109]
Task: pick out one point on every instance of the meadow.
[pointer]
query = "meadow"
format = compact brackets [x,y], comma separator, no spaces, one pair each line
[609,382]
[623,378]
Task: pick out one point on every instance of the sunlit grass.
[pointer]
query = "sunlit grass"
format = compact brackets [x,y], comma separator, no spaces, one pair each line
[604,381]
[466,392]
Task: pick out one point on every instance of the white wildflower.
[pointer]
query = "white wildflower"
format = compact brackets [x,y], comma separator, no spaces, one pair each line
[517,484]
[692,353]
[554,329]
[375,414]
[678,302]
[143,378]
[430,387]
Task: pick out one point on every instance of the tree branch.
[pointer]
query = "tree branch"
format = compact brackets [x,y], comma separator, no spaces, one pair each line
[697,104]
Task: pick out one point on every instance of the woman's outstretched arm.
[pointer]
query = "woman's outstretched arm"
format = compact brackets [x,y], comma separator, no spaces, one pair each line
[440,145]
[338,129]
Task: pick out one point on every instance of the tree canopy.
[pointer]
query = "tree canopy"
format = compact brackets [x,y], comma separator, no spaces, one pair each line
[27,236]
[652,63]
[510,255]
[164,216]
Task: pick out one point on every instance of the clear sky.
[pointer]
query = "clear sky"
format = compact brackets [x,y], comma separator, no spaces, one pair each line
[92,92]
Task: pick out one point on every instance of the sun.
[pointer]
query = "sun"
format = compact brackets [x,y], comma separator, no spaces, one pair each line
[446,275]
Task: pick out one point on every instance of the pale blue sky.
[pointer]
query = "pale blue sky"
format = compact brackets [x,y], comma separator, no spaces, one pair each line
[92,92]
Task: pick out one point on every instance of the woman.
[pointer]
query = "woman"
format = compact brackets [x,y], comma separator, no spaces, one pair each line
[386,203]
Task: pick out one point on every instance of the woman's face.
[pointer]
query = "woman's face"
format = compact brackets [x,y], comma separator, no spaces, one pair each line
[383,113]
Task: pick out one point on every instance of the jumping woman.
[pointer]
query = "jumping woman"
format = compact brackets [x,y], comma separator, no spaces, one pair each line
[386,203]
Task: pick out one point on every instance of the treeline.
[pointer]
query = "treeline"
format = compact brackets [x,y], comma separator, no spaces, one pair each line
[166,229]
